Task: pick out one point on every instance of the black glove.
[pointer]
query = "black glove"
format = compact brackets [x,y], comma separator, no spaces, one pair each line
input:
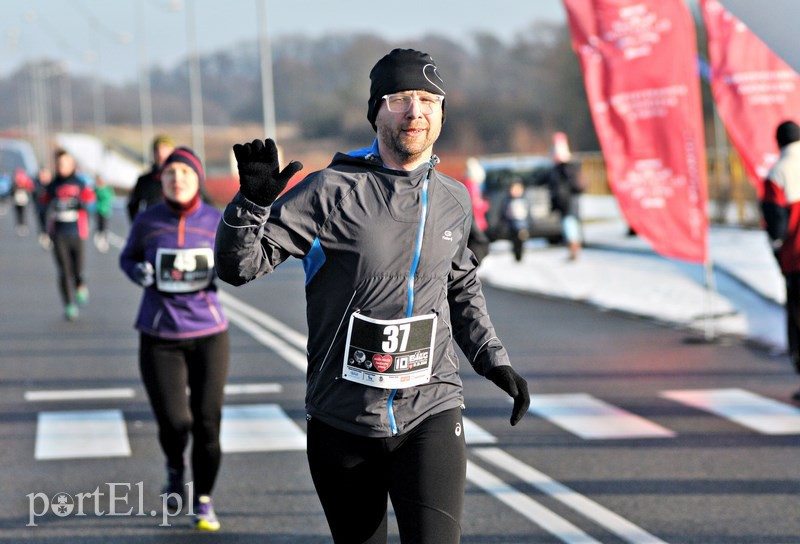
[507,379]
[260,177]
[144,274]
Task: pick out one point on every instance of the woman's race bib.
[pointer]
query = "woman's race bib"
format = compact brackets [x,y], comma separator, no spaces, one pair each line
[390,354]
[184,270]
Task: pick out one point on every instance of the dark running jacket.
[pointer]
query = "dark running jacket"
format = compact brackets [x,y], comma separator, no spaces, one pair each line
[780,206]
[388,244]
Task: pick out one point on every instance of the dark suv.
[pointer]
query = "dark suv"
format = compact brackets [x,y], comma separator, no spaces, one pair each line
[532,171]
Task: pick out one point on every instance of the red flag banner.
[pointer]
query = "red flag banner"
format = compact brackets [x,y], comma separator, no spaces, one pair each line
[754,89]
[639,61]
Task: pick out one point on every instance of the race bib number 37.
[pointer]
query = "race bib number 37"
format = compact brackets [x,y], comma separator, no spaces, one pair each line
[390,354]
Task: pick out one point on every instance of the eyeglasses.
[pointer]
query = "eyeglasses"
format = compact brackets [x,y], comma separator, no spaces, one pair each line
[401,102]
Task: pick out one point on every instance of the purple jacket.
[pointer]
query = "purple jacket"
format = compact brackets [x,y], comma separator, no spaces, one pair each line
[182,303]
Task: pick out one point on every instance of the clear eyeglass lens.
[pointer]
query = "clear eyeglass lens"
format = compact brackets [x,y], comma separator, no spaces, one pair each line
[401,103]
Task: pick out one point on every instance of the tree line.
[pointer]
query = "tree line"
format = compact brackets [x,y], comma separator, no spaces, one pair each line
[503,95]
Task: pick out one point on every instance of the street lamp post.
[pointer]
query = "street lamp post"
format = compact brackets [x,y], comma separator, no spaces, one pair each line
[145,99]
[267,90]
[195,90]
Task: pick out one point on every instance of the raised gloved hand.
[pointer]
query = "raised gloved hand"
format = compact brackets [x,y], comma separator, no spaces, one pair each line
[260,178]
[507,379]
[144,274]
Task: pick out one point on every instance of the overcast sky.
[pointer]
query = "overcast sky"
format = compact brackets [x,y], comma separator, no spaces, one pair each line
[103,36]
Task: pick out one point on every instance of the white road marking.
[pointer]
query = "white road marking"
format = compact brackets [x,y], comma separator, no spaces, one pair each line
[475,434]
[527,507]
[753,411]
[76,434]
[591,418]
[259,427]
[249,321]
[266,321]
[252,388]
[80,394]
[580,503]
[281,348]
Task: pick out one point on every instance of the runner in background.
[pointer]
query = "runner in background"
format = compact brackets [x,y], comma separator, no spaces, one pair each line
[147,191]
[183,334]
[102,210]
[67,199]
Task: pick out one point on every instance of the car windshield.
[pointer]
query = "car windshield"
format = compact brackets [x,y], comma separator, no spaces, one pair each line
[10,160]
[501,173]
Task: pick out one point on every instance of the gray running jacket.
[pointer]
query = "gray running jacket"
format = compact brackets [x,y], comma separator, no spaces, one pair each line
[388,244]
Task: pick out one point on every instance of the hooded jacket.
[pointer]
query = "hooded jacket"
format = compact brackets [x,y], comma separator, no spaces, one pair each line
[383,243]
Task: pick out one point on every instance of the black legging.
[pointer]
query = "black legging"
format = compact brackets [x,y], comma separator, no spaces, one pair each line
[168,367]
[68,251]
[793,318]
[423,471]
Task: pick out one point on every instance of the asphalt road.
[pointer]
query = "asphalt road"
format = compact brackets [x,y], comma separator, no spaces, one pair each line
[636,433]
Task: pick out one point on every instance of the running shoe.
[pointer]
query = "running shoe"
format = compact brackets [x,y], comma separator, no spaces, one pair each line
[82,295]
[173,487]
[70,312]
[44,241]
[101,242]
[204,517]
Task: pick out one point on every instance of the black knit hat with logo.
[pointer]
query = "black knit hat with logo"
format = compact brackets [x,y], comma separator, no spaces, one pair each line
[402,70]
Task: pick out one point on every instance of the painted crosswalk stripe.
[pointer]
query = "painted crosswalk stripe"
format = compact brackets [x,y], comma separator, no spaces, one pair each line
[761,414]
[259,427]
[252,388]
[592,418]
[475,434]
[80,394]
[76,434]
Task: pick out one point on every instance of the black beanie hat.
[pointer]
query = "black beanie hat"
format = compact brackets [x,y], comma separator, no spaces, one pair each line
[787,132]
[186,156]
[402,70]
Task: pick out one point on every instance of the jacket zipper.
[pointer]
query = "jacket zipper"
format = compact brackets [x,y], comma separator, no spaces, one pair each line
[414,265]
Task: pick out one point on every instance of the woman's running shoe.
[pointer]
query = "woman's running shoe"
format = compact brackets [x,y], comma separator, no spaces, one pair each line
[70,312]
[205,519]
[82,295]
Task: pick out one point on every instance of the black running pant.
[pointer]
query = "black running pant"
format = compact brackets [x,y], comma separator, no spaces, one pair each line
[68,251]
[168,367]
[793,318]
[423,471]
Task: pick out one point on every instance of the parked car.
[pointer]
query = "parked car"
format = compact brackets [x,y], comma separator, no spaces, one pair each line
[532,171]
[15,154]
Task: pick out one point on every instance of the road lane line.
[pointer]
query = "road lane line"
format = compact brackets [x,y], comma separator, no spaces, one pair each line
[285,332]
[289,353]
[259,427]
[580,503]
[80,394]
[761,414]
[592,419]
[527,507]
[77,434]
[252,388]
[475,434]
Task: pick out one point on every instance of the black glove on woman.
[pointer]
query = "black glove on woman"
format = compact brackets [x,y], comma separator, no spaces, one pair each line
[260,177]
[507,379]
